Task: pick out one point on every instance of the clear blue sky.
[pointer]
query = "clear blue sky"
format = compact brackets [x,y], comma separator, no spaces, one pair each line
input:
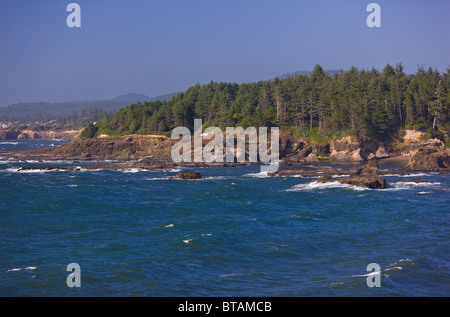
[157,47]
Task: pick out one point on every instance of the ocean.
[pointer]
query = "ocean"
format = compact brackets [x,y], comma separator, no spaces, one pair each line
[236,232]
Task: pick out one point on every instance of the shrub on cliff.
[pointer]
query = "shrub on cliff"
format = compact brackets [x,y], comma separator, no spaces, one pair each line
[89,132]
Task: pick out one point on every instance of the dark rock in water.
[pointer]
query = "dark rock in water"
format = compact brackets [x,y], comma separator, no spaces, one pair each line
[367,181]
[43,168]
[188,175]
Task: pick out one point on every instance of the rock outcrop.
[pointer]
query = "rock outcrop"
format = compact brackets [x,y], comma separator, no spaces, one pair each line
[350,149]
[121,148]
[371,181]
[187,175]
[151,151]
[370,168]
[430,156]
[68,135]
[9,134]
[362,176]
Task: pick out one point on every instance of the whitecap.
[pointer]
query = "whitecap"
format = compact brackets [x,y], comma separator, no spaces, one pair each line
[258,175]
[132,170]
[368,274]
[215,177]
[56,162]
[10,143]
[401,261]
[28,268]
[390,267]
[175,170]
[393,268]
[412,174]
[300,176]
[156,178]
[169,226]
[13,270]
[33,171]
[328,185]
[394,186]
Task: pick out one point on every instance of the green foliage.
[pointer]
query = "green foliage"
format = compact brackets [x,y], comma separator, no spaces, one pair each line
[430,134]
[89,132]
[316,137]
[447,141]
[366,103]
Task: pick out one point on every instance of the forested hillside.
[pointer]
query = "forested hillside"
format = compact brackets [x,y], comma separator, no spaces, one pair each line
[371,104]
[41,115]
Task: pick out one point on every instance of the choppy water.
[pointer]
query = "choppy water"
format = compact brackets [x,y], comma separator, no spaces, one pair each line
[234,233]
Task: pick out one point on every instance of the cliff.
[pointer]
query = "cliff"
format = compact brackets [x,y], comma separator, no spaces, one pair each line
[69,135]
[152,150]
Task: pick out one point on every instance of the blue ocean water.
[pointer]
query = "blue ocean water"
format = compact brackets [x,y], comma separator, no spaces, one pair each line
[234,233]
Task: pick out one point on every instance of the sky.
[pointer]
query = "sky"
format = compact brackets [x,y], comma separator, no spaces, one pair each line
[157,47]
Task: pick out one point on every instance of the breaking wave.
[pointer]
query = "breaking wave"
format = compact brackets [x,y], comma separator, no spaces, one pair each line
[329,185]
[258,175]
[411,175]
[10,143]
[393,186]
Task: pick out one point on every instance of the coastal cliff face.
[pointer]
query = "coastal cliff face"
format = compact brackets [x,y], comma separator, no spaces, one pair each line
[430,155]
[347,149]
[120,148]
[156,149]
[69,135]
[9,134]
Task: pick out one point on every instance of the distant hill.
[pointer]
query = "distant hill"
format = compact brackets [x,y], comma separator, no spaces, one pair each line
[166,97]
[32,111]
[132,97]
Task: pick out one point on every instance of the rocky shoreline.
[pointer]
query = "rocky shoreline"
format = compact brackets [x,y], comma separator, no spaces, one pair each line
[16,134]
[297,158]
[367,176]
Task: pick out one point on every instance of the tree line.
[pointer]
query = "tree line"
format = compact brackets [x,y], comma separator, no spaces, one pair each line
[369,103]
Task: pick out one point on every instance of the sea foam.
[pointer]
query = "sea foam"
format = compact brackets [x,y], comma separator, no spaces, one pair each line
[329,185]
[33,171]
[28,268]
[394,186]
[10,143]
[258,175]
